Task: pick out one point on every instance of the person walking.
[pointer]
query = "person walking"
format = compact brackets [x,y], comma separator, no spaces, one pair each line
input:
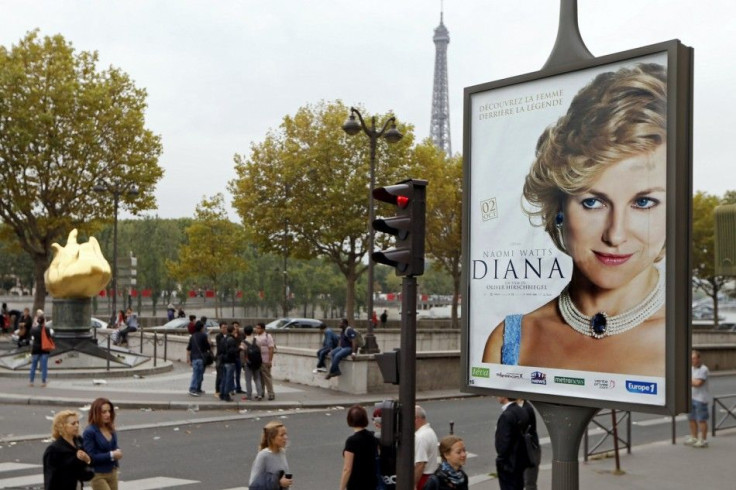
[65,463]
[698,416]
[450,474]
[360,453]
[38,352]
[425,448]
[252,364]
[347,346]
[196,348]
[100,441]
[270,470]
[511,459]
[267,345]
[329,342]
[531,473]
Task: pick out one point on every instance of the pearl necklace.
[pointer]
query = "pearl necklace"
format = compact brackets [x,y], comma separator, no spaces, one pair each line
[601,325]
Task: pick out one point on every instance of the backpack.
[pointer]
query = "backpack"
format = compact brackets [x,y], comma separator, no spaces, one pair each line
[359,340]
[253,357]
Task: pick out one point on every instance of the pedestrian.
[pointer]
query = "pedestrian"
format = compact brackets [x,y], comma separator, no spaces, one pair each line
[384,318]
[329,342]
[347,346]
[4,319]
[425,448]
[219,352]
[386,456]
[170,312]
[24,328]
[180,313]
[532,471]
[131,325]
[511,459]
[252,364]
[270,470]
[450,475]
[39,352]
[65,463]
[238,362]
[101,443]
[374,319]
[267,345]
[191,324]
[360,453]
[698,416]
[231,351]
[196,348]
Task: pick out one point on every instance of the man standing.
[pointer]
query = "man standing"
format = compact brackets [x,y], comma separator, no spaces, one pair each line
[197,346]
[347,346]
[219,352]
[252,366]
[267,345]
[229,355]
[426,451]
[532,472]
[511,459]
[384,318]
[329,342]
[698,416]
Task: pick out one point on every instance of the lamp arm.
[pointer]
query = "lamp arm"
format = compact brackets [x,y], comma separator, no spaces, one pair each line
[366,129]
[385,126]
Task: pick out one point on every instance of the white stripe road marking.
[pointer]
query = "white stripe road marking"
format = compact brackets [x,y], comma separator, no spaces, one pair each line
[152,483]
[21,481]
[17,466]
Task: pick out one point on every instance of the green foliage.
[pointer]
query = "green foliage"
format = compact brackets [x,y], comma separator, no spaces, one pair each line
[65,125]
[303,191]
[215,247]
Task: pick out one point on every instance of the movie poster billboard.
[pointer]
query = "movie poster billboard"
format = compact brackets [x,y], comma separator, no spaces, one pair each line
[570,184]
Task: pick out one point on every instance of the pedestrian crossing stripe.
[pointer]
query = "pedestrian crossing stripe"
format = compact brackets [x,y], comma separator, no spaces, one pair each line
[153,483]
[37,479]
[16,466]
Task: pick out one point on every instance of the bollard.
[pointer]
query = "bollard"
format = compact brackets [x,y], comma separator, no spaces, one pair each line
[155,348]
[141,330]
[452,427]
[166,345]
[108,353]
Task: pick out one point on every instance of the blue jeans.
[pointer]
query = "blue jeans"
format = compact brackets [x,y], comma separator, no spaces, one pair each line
[250,376]
[321,354]
[338,355]
[195,385]
[228,379]
[238,368]
[44,366]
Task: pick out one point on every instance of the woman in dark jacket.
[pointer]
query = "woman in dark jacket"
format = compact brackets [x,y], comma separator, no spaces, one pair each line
[449,475]
[101,443]
[360,453]
[64,463]
[37,352]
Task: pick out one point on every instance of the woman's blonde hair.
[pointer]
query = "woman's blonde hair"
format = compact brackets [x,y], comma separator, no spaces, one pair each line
[57,426]
[616,116]
[446,445]
[268,436]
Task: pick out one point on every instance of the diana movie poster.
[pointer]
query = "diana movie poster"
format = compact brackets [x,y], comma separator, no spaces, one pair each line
[567,222]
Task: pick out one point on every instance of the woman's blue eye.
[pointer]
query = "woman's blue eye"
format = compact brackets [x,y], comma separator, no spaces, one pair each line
[645,203]
[591,203]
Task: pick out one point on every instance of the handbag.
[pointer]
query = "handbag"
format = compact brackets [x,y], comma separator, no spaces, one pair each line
[47,343]
[207,357]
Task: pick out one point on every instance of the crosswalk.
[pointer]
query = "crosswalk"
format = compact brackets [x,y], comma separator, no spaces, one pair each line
[11,477]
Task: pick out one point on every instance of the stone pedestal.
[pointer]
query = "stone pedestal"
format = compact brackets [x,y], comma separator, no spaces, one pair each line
[72,318]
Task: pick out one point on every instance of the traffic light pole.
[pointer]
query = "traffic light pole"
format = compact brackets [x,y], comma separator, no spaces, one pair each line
[407,386]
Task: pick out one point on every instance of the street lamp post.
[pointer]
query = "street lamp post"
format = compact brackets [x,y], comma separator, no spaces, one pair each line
[392,135]
[116,189]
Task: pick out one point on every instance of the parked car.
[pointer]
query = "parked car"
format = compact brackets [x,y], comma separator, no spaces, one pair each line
[179,325]
[95,323]
[291,323]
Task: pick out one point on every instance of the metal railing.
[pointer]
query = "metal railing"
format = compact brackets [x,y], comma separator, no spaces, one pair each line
[610,433]
[728,416]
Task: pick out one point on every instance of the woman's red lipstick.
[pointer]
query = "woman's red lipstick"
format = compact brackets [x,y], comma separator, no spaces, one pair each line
[612,259]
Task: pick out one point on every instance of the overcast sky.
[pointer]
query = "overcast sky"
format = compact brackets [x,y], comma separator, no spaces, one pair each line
[220,74]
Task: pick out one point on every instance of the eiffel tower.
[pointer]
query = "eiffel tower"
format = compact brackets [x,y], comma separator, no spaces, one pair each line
[440,124]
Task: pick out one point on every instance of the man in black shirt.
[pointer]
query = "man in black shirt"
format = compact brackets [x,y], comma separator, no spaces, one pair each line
[197,346]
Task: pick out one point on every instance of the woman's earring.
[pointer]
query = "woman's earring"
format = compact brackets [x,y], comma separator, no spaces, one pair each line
[559,218]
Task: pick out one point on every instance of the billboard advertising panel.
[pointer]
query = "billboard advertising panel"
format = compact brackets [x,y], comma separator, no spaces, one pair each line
[569,203]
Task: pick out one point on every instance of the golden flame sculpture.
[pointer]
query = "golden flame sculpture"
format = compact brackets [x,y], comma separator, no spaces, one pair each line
[77,270]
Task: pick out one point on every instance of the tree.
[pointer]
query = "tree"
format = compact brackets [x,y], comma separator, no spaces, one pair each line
[303,191]
[215,247]
[64,125]
[703,239]
[444,211]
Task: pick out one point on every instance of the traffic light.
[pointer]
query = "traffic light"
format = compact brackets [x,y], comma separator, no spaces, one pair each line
[388,363]
[389,422]
[407,226]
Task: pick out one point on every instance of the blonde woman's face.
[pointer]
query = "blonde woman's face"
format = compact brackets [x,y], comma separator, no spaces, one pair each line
[71,426]
[616,230]
[282,438]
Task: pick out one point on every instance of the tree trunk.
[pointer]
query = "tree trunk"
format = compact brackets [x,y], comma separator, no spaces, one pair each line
[455,298]
[715,303]
[350,296]
[39,268]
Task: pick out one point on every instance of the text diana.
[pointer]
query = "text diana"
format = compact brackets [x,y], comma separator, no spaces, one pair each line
[505,269]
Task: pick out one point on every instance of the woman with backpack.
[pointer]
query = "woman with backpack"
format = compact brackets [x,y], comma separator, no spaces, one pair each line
[252,361]
[449,475]
[39,352]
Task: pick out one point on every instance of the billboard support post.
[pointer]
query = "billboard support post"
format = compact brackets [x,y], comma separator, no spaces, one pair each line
[566,425]
[408,377]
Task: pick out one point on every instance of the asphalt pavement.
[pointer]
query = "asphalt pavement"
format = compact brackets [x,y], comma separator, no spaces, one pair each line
[158,397]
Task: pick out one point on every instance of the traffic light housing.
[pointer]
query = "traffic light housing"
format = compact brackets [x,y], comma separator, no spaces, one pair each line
[409,197]
[388,363]
[389,422]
